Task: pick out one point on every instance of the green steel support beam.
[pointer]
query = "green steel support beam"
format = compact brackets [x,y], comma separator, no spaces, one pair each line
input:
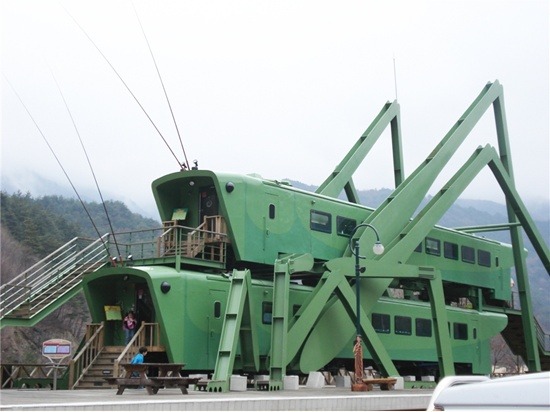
[394,214]
[334,281]
[487,228]
[407,240]
[517,210]
[527,314]
[371,339]
[238,325]
[341,177]
[279,325]
[439,318]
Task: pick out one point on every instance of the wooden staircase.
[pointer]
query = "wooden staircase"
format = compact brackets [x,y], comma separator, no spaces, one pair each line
[101,368]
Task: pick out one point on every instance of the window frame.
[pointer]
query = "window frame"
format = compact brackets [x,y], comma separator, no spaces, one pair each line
[320,226]
[429,250]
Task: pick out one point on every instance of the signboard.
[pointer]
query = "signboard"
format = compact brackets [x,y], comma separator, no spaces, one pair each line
[113,313]
[56,348]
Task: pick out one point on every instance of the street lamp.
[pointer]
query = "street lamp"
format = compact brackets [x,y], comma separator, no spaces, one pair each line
[378,249]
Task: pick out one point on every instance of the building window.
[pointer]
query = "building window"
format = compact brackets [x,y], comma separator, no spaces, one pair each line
[345,226]
[450,250]
[381,322]
[272,211]
[320,221]
[217,309]
[468,254]
[423,327]
[460,331]
[267,313]
[433,246]
[484,258]
[403,325]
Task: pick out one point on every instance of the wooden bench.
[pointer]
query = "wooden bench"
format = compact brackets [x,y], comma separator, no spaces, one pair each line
[123,383]
[135,377]
[386,384]
[158,382]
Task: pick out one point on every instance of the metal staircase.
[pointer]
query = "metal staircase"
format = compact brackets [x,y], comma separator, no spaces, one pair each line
[514,337]
[45,286]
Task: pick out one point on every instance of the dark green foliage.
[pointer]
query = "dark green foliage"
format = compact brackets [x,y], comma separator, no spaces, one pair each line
[121,217]
[37,228]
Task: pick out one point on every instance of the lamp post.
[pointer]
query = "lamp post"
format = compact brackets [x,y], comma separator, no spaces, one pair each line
[378,249]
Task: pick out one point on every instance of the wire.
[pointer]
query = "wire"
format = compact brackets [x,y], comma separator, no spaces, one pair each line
[163,88]
[125,85]
[89,163]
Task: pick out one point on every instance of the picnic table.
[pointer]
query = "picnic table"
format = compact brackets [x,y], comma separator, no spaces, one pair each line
[169,376]
[386,384]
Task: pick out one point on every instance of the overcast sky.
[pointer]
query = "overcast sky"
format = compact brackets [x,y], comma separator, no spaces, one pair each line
[278,88]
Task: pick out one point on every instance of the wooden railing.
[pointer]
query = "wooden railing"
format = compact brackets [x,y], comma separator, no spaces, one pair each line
[12,372]
[88,354]
[147,335]
[207,241]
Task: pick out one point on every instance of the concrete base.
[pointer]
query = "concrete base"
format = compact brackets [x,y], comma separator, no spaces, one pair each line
[291,383]
[428,378]
[237,383]
[315,380]
[399,383]
[342,381]
[261,378]
[409,378]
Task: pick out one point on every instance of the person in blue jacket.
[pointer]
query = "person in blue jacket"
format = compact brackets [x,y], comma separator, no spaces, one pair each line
[140,356]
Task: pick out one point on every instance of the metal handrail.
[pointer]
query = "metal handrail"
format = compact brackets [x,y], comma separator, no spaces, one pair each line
[542,336]
[50,272]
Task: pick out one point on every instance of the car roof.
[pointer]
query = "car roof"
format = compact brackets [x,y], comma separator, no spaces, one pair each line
[529,390]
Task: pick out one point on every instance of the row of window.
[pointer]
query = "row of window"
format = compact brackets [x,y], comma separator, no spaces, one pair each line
[450,251]
[381,323]
[322,222]
[423,327]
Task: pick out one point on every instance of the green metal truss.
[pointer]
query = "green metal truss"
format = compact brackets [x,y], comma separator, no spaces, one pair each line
[402,230]
[238,326]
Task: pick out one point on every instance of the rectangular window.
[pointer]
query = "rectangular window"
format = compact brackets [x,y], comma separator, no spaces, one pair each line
[423,327]
[433,246]
[272,211]
[320,221]
[381,322]
[460,331]
[484,258]
[450,250]
[468,254]
[267,312]
[403,325]
[217,309]
[345,226]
